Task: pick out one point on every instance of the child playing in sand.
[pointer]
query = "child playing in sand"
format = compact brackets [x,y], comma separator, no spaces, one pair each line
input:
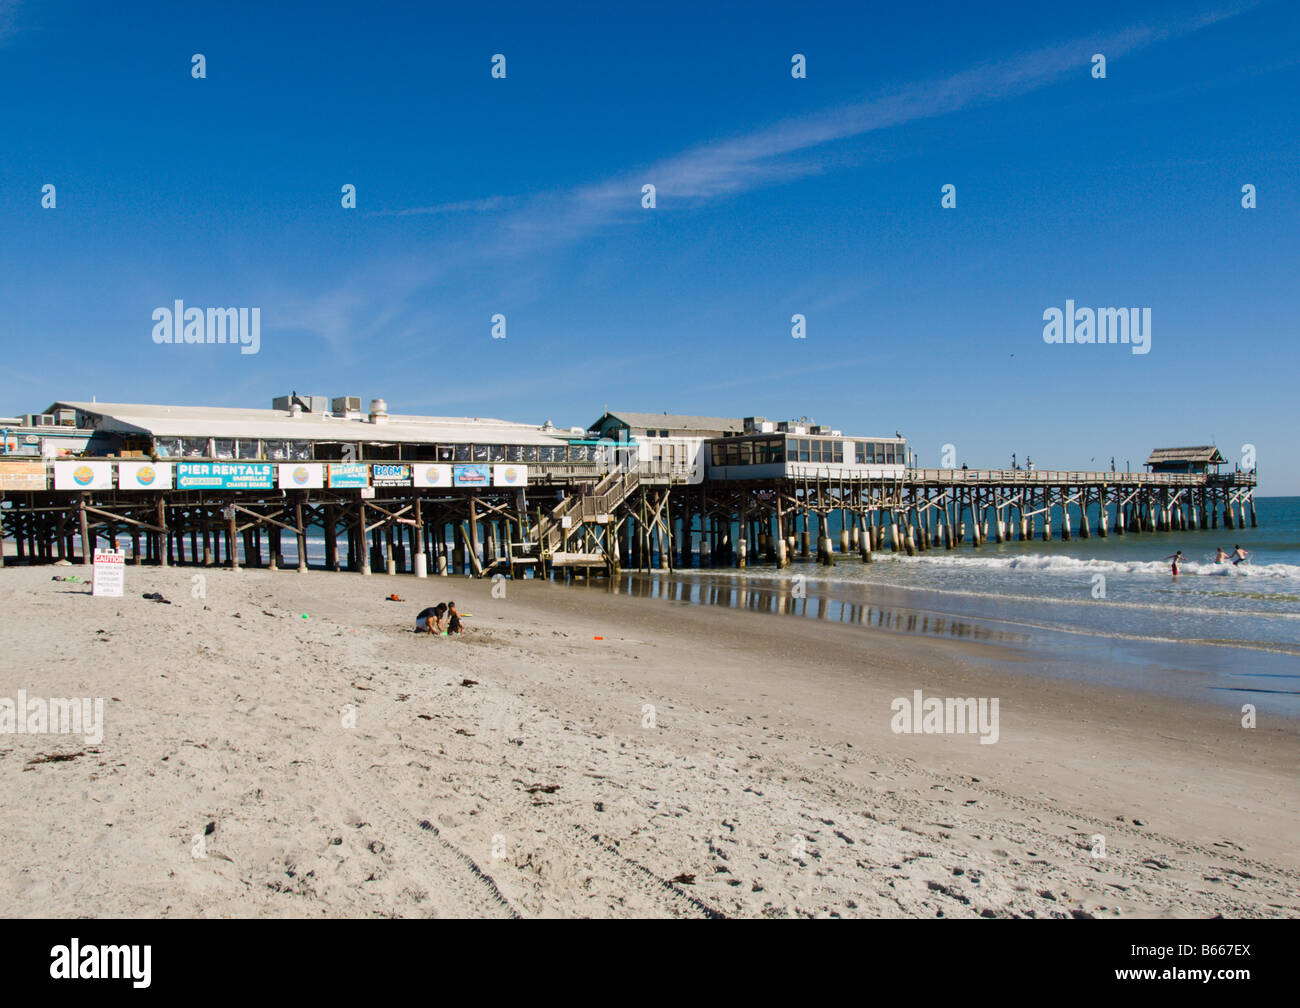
[453,619]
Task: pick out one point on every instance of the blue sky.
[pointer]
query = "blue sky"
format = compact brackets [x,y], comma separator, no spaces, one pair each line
[775,196]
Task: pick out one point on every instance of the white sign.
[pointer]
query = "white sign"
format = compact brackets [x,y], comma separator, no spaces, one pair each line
[566,521]
[426,474]
[83,475]
[301,475]
[109,574]
[509,475]
[144,475]
[367,493]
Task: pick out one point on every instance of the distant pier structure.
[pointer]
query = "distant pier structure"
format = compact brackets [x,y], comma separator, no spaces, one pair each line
[344,488]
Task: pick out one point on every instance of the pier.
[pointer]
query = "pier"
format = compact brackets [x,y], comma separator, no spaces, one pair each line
[467,496]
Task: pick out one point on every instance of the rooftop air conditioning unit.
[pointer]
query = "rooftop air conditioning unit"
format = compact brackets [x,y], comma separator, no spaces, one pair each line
[345,404]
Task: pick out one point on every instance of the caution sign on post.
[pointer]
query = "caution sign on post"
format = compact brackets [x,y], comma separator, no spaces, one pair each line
[109,574]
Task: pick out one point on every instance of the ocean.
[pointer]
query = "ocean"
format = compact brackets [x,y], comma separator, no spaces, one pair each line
[1099,609]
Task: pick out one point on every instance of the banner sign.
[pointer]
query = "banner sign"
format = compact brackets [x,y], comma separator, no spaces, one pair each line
[301,476]
[471,475]
[144,475]
[509,475]
[224,475]
[23,476]
[349,475]
[109,573]
[427,475]
[390,474]
[83,475]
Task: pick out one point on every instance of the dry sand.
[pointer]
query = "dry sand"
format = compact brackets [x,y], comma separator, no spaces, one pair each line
[770,782]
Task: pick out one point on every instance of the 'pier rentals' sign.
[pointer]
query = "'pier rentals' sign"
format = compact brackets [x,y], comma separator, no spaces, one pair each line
[225,476]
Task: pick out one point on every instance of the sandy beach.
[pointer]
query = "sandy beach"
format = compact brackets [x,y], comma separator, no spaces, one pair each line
[285,745]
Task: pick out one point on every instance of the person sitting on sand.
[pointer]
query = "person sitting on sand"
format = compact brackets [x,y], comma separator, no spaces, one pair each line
[1238,555]
[1220,555]
[430,619]
[453,619]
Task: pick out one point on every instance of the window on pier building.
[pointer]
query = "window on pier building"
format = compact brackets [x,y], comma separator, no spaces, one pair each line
[167,447]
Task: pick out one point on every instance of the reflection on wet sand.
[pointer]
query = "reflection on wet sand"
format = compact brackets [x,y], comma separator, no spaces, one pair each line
[785,599]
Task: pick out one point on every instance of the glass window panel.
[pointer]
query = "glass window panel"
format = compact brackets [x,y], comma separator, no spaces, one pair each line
[746,453]
[839,451]
[223,448]
[462,453]
[167,447]
[529,453]
[299,451]
[778,450]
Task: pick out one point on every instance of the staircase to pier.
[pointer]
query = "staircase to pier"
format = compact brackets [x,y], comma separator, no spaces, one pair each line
[582,509]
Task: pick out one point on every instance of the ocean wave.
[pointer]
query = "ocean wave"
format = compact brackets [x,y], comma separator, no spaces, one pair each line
[1073,565]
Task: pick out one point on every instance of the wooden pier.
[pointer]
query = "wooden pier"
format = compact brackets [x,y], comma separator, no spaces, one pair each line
[576,519]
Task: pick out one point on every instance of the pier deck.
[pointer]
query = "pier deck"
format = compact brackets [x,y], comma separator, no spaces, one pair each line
[649,516]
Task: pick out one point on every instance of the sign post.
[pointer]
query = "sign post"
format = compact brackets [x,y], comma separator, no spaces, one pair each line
[109,574]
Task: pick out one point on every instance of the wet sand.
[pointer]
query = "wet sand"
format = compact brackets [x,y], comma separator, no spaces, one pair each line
[341,765]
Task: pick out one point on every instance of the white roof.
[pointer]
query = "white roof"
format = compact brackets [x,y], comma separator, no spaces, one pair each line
[225,422]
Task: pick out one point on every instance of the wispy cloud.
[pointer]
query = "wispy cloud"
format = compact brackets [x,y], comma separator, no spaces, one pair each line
[788,150]
[514,228]
[8,19]
[464,206]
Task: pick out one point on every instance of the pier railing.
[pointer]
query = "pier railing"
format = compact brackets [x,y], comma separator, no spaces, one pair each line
[1059,476]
